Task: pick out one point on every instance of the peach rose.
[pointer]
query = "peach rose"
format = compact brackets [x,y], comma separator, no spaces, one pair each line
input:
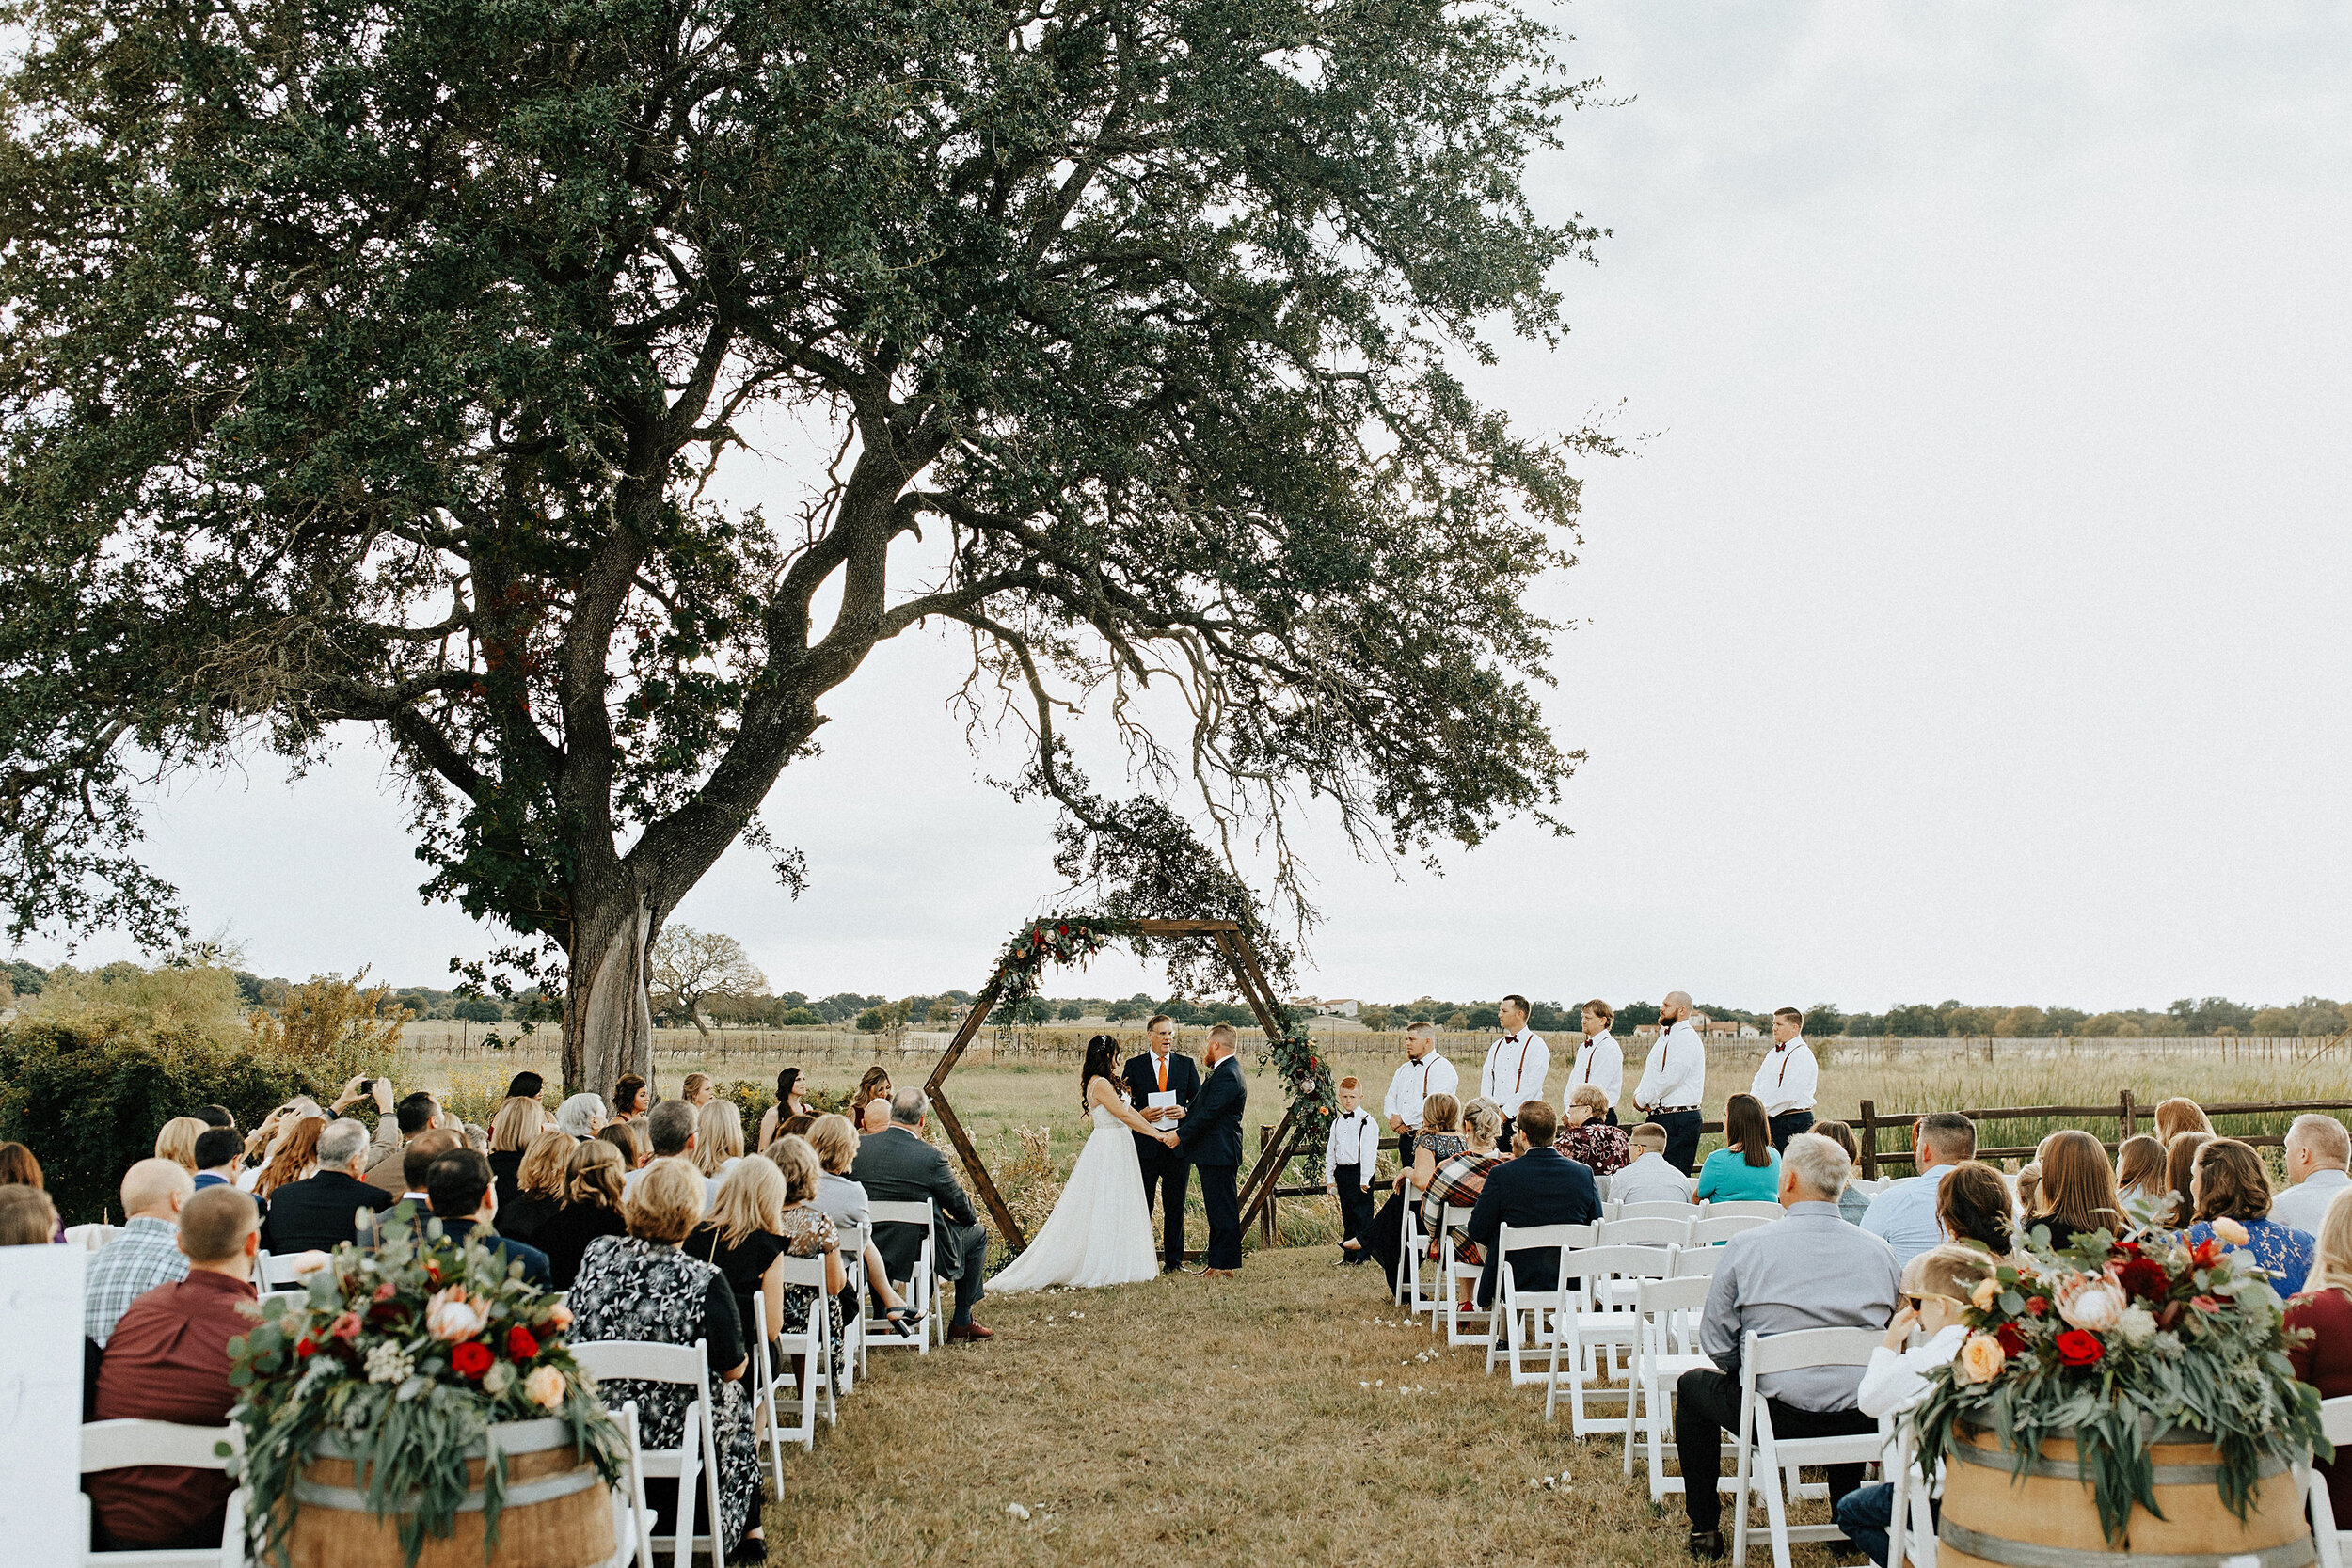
[560,1315]
[1988,1291]
[1981,1359]
[544,1388]
[2231,1232]
[2095,1305]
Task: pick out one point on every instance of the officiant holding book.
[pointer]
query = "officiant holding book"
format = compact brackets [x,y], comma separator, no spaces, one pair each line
[1160,1086]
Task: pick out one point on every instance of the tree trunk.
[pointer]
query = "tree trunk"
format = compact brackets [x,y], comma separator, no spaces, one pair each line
[607,1013]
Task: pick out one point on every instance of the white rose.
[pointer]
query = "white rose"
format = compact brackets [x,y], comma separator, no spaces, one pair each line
[2094,1305]
[495,1380]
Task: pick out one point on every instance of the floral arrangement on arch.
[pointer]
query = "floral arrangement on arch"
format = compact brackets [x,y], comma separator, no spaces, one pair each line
[404,1356]
[2113,1344]
[1062,939]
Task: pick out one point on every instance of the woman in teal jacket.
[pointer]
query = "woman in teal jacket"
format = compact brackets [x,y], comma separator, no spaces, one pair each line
[1749,1168]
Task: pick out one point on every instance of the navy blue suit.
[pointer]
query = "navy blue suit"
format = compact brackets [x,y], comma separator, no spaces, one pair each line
[1211,1135]
[504,1248]
[1540,1187]
[1166,1171]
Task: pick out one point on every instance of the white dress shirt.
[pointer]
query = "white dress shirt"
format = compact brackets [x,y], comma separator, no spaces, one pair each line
[1675,1074]
[1414,1082]
[1355,1140]
[2304,1206]
[1515,1071]
[1787,1078]
[1600,1062]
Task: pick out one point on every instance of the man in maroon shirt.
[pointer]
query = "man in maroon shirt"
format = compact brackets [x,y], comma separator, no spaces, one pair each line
[168,1361]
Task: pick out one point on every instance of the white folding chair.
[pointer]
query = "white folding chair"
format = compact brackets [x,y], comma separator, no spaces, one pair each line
[1910,1501]
[121,1444]
[1600,1322]
[1695,1263]
[1415,1274]
[280,1272]
[628,1502]
[1642,1231]
[921,1292]
[1711,1229]
[854,1239]
[1451,1274]
[696,1456]
[1770,1462]
[1504,1340]
[2335,1420]
[91,1237]
[811,1343]
[1656,1209]
[1712,1210]
[1669,1346]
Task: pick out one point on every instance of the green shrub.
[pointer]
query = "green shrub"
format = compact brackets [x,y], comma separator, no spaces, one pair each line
[87,1096]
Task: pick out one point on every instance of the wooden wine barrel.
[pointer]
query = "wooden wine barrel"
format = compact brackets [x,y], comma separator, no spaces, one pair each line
[558,1511]
[2050,1518]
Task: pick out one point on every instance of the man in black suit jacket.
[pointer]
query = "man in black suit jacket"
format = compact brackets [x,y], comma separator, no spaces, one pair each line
[318,1211]
[459,1184]
[1540,1186]
[896,1165]
[1210,1135]
[1166,1171]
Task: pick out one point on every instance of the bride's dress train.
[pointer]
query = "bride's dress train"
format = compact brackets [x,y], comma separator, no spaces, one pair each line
[1100,1232]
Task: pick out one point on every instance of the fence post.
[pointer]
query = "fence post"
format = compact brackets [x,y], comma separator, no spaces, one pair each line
[2130,1116]
[1870,1141]
[1266,1215]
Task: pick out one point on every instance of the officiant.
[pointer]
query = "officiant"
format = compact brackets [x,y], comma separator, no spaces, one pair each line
[1160,1086]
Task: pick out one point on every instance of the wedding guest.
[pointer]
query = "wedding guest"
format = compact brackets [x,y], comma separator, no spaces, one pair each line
[874,1085]
[788,1105]
[217,1151]
[1674,1081]
[1853,1202]
[698,1091]
[1458,1182]
[145,1253]
[2179,1115]
[631,1096]
[1973,1207]
[417,1114]
[464,1200]
[844,1202]
[875,1117]
[1537,1187]
[415,1206]
[640,1285]
[1936,1286]
[1788,1078]
[2228,1184]
[1351,1158]
[1585,1136]
[526,1085]
[590,1209]
[1600,1061]
[2317,1152]
[315,1213]
[539,1184]
[1440,1140]
[511,1130]
[27,1218]
[1747,1168]
[1647,1177]
[580,1117]
[2078,1194]
[2180,1171]
[741,1236]
[670,1130]
[896,1165]
[717,1141]
[1808,1269]
[177,1141]
[19,1169]
[168,1360]
[2028,1185]
[1903,1213]
[295,1156]
[629,1140]
[385,1135]
[1423,1072]
[800,1230]
[796,1127]
[2140,1175]
[1517,1064]
[216,1116]
[2323,1355]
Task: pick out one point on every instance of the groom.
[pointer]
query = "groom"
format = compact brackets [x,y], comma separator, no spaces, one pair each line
[1160,1071]
[1210,1135]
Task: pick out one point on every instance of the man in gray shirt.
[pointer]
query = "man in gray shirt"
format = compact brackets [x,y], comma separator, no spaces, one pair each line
[1807,1269]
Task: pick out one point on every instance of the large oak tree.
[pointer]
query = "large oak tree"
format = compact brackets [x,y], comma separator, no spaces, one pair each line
[369,363]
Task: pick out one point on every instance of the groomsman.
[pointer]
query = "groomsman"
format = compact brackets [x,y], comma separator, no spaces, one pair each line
[1674,1082]
[1425,1072]
[1167,1172]
[1516,1065]
[1598,1060]
[1788,1078]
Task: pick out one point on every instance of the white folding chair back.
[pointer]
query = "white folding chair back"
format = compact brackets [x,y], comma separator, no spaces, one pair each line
[1764,1206]
[1716,1228]
[90,1238]
[1657,1208]
[2335,1420]
[1911,1523]
[696,1456]
[1641,1232]
[1669,1310]
[1768,1462]
[1600,1322]
[854,1239]
[922,1292]
[278,1273]
[811,1341]
[122,1444]
[1463,1325]
[1504,1338]
[1695,1263]
[1416,1275]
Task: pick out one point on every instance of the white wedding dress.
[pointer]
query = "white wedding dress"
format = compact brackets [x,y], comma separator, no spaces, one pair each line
[1100,1231]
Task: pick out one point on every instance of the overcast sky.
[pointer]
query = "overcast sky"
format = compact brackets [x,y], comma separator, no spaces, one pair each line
[1971,623]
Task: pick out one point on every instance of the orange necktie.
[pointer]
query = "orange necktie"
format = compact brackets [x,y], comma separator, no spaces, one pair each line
[1163,1061]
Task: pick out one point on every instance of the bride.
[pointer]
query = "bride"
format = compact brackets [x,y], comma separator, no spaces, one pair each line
[1100,1232]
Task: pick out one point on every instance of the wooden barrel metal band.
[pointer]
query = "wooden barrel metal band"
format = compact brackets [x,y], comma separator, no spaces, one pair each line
[2064,1470]
[520,1493]
[2026,1554]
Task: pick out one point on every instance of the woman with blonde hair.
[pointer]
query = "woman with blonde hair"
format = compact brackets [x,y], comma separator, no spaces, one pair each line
[2179,1115]
[698,1091]
[2139,1176]
[1457,1182]
[2230,1184]
[590,1210]
[2078,1194]
[742,1237]
[295,1156]
[2323,1356]
[718,1137]
[1440,1139]
[843,1199]
[177,1141]
[27,1218]
[539,1184]
[874,1085]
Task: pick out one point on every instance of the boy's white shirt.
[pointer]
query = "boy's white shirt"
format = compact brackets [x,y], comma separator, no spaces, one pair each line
[1649,1171]
[1897,1381]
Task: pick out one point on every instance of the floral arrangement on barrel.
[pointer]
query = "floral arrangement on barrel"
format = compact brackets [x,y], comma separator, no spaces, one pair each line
[2113,1344]
[402,1358]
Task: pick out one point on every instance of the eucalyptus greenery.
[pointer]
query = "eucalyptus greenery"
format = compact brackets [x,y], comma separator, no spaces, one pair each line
[402,1358]
[383,366]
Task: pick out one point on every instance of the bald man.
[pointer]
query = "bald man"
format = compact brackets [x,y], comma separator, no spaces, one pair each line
[1674,1082]
[146,1252]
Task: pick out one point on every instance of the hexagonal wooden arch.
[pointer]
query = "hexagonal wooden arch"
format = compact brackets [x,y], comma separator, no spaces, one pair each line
[1241,959]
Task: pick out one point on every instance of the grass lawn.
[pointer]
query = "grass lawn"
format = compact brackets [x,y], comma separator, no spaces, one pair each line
[1195,1421]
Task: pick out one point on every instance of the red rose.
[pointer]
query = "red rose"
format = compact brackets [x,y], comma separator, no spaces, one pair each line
[2037,1305]
[1310,1061]
[1063,929]
[2012,1340]
[521,1346]
[472,1360]
[2079,1348]
[2143,1277]
[305,1346]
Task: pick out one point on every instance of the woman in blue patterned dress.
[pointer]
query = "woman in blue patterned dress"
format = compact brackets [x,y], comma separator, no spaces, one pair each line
[2233,1197]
